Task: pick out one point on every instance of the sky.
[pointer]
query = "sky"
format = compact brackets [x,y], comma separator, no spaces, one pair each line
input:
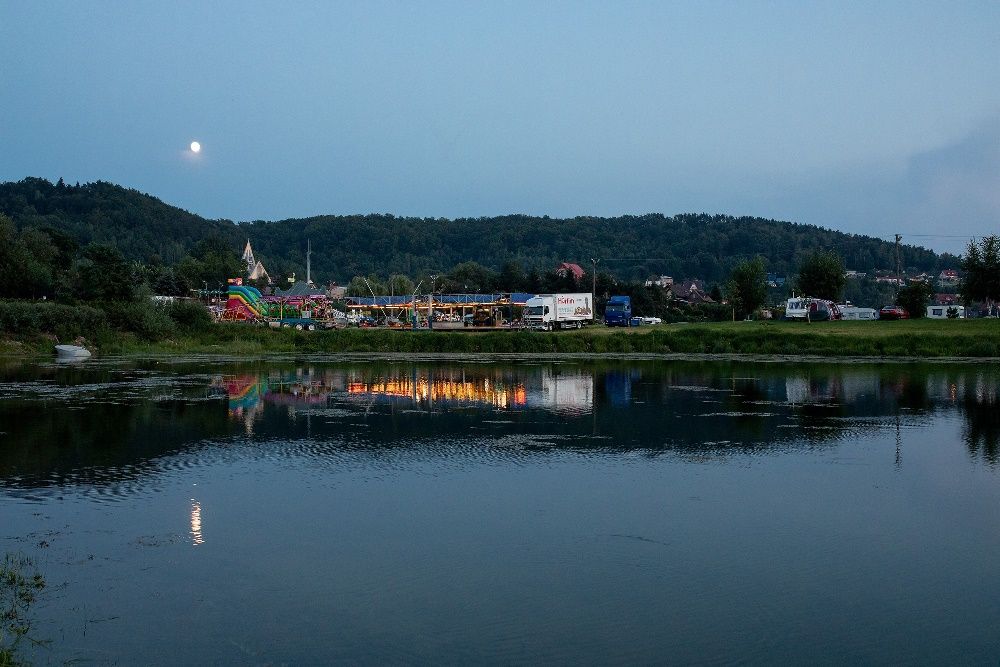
[877,118]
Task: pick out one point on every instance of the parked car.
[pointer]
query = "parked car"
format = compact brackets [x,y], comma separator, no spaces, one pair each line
[652,320]
[893,313]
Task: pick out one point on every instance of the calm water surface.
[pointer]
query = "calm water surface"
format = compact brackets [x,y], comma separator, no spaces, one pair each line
[313,511]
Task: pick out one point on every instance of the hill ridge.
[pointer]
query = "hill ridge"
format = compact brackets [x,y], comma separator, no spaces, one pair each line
[685,245]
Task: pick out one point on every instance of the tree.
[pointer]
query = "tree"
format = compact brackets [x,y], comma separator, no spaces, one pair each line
[533,281]
[399,285]
[915,297]
[469,277]
[868,293]
[28,262]
[166,282]
[512,276]
[981,265]
[104,275]
[821,275]
[360,286]
[213,260]
[747,287]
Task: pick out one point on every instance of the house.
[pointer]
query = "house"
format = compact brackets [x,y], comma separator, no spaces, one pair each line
[666,282]
[946,299]
[692,291]
[889,280]
[854,275]
[572,269]
[948,277]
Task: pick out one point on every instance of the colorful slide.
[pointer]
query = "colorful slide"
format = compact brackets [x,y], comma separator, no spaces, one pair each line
[244,303]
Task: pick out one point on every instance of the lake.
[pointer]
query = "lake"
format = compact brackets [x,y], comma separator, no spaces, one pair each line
[304,511]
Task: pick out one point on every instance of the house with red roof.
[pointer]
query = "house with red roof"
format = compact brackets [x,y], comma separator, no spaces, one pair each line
[948,277]
[568,268]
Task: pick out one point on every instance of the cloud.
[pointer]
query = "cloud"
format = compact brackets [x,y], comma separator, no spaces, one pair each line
[957,188]
[938,198]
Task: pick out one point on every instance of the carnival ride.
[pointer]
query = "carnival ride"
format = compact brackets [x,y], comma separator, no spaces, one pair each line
[245,303]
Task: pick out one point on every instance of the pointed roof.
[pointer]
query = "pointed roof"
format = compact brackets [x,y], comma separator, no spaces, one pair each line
[259,272]
[248,257]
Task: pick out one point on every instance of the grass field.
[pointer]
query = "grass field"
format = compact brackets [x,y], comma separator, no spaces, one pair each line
[905,339]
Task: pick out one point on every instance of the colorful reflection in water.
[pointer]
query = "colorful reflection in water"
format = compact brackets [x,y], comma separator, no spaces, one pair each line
[426,390]
[569,392]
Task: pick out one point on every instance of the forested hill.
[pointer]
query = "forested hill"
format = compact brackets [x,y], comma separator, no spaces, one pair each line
[139,225]
[684,246]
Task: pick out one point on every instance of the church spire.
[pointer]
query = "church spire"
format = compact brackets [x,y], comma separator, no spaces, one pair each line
[248,258]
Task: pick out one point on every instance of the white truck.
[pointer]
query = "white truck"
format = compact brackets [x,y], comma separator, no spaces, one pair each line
[559,311]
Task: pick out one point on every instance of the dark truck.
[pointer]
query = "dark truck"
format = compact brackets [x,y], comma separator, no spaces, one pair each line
[618,312]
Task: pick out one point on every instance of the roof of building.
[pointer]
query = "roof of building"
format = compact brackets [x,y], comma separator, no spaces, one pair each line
[301,289]
[575,269]
[259,272]
[692,291]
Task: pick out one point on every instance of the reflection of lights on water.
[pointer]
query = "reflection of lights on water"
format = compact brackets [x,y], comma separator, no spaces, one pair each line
[422,389]
[196,537]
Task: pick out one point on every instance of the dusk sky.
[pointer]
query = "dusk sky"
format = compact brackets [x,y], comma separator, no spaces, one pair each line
[876,117]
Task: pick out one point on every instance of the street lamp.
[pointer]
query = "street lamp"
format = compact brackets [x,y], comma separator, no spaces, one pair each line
[415,290]
[430,304]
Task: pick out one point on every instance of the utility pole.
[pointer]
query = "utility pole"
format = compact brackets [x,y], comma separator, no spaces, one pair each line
[899,274]
[309,250]
[593,284]
[413,319]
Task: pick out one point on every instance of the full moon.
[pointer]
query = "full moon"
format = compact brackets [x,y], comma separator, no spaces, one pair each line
[195,147]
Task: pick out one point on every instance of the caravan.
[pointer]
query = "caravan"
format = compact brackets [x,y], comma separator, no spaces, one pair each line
[946,312]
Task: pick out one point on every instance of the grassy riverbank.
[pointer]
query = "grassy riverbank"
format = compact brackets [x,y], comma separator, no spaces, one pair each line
[914,338]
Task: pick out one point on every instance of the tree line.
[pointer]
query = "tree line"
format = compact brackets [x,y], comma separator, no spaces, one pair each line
[100,241]
[686,246]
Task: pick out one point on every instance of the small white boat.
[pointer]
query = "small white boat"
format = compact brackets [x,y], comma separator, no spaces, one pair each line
[64,352]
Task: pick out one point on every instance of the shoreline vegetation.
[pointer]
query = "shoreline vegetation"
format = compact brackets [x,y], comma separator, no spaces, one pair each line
[33,330]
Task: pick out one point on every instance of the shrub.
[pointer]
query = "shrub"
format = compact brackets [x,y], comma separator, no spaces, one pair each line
[145,318]
[64,322]
[189,315]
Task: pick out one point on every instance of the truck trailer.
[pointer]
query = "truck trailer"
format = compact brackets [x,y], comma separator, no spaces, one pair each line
[559,311]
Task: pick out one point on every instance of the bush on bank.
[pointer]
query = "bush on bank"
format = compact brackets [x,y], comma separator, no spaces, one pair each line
[26,318]
[146,320]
